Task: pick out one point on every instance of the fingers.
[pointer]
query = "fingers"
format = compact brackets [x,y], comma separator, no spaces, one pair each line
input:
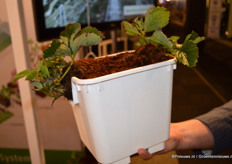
[144,154]
[171,144]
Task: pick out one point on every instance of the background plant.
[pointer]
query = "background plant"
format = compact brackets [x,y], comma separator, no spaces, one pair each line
[148,31]
[5,94]
[35,50]
[47,76]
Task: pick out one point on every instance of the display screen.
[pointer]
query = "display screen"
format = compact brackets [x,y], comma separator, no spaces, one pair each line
[56,14]
[60,12]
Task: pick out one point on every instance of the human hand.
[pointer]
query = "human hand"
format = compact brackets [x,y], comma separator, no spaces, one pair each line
[170,145]
[191,134]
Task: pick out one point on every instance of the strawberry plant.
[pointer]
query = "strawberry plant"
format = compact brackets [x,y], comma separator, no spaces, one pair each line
[148,31]
[47,76]
[52,76]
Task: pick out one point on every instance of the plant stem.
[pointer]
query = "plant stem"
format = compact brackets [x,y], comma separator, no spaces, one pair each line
[142,33]
[67,70]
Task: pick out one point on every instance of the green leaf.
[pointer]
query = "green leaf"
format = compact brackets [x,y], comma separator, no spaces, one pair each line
[48,82]
[160,38]
[139,22]
[174,39]
[182,58]
[188,54]
[44,69]
[21,75]
[194,37]
[156,18]
[62,63]
[130,29]
[37,84]
[198,40]
[63,50]
[50,63]
[70,31]
[86,39]
[49,52]
[61,90]
[142,41]
[6,92]
[90,29]
[33,74]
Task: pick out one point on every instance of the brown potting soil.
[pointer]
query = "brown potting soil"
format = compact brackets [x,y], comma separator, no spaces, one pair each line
[96,67]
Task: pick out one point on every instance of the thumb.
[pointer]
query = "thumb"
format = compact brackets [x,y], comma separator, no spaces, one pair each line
[144,154]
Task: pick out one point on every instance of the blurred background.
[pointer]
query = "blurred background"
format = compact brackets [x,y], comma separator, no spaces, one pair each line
[195,90]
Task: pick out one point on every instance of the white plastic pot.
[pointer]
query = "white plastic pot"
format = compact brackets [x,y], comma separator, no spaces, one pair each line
[119,113]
